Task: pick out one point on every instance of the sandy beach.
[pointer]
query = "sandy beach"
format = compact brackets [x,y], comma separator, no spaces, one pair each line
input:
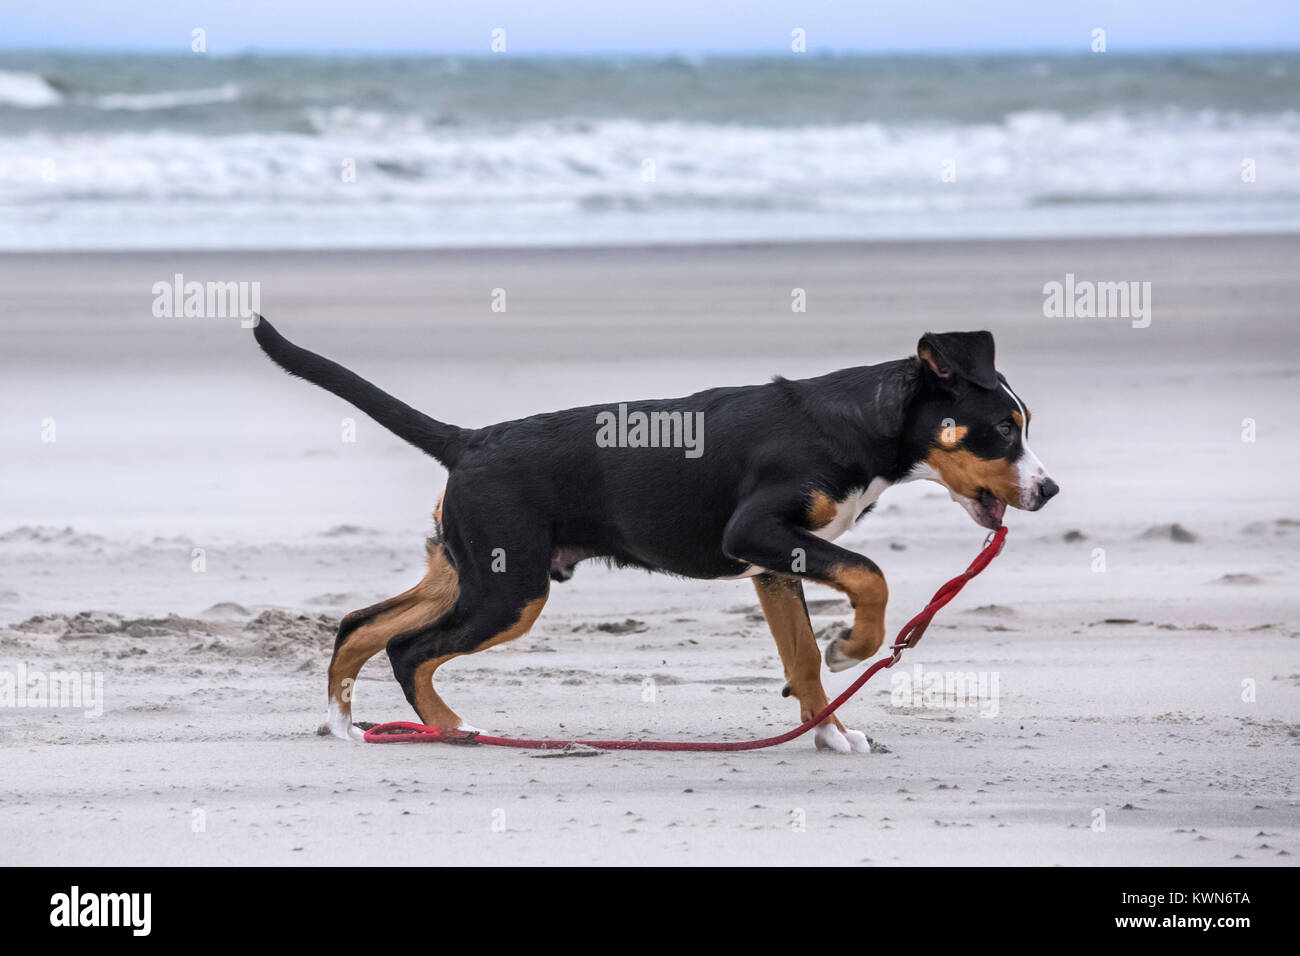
[186,521]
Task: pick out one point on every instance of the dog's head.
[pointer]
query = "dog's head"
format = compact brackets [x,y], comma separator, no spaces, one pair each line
[972,430]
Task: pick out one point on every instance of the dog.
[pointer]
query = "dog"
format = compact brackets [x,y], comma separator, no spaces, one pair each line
[789,466]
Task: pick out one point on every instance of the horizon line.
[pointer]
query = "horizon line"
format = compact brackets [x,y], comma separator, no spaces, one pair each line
[772,53]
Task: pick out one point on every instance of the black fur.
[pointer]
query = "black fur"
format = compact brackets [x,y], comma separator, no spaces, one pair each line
[968,355]
[433,437]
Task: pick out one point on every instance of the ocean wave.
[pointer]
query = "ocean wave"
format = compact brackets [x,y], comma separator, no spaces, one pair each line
[1041,158]
[168,99]
[343,121]
[29,91]
[395,172]
[277,92]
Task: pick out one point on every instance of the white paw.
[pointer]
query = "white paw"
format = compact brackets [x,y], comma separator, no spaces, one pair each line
[341,725]
[470,729]
[828,737]
[347,731]
[858,741]
[836,659]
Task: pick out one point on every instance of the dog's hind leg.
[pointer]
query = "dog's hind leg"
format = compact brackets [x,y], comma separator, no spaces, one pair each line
[363,634]
[782,600]
[492,608]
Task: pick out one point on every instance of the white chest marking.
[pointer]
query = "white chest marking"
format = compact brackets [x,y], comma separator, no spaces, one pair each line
[847,511]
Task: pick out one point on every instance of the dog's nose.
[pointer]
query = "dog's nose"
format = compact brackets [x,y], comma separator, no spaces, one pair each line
[1047,489]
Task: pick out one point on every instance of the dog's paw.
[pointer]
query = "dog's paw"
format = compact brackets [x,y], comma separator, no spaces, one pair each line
[830,737]
[859,743]
[836,659]
[349,732]
[341,726]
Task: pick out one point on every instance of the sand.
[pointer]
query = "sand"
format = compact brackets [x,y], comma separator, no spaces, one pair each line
[1159,694]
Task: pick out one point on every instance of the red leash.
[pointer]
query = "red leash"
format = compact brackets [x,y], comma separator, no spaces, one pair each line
[405,732]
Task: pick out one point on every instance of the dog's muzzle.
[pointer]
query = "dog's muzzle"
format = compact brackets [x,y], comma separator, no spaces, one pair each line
[1045,489]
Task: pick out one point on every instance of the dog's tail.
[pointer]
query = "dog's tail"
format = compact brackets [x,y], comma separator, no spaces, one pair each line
[444,442]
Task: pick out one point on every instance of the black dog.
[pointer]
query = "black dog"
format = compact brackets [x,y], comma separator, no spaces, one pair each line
[788,467]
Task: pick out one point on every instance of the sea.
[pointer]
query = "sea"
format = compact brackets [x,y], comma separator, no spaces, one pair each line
[135,151]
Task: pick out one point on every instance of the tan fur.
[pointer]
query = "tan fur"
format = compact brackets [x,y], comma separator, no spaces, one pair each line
[927,356]
[787,619]
[952,435]
[419,607]
[821,510]
[868,593]
[433,712]
[965,473]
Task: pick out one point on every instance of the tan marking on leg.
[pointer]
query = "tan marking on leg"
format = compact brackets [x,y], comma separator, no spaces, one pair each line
[419,607]
[433,712]
[821,510]
[527,617]
[788,621]
[868,593]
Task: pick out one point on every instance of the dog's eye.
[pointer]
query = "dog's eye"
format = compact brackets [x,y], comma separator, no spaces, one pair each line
[1005,430]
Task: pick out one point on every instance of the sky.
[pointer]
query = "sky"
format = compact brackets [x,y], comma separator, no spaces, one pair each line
[544,27]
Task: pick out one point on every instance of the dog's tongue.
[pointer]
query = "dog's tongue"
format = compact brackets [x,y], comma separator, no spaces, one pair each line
[997,509]
[992,510]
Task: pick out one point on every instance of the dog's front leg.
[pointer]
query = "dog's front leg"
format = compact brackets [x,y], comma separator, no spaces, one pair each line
[759,535]
[764,532]
[781,597]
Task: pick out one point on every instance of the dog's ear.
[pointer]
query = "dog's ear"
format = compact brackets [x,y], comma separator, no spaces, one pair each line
[954,356]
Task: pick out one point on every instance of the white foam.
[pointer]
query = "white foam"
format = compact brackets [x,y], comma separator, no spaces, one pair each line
[168,99]
[27,90]
[565,180]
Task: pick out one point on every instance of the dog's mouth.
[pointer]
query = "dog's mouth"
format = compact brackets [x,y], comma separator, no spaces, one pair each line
[988,510]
